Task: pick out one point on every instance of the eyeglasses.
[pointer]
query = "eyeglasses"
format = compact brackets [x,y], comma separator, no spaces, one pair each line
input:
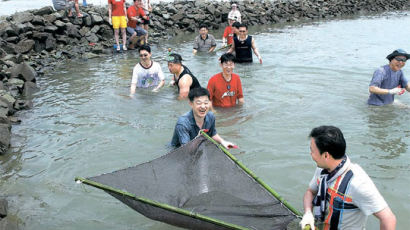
[143,55]
[403,59]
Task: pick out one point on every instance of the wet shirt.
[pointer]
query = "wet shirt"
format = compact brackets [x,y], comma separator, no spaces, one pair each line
[223,93]
[186,128]
[243,49]
[117,7]
[147,77]
[386,78]
[204,45]
[195,82]
[228,34]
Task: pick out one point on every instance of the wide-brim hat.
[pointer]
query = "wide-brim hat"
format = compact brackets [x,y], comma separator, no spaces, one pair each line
[398,52]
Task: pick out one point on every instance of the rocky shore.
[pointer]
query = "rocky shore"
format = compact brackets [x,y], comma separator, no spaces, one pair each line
[34,42]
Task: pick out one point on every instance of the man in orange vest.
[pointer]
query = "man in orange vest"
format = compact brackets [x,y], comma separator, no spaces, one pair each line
[340,195]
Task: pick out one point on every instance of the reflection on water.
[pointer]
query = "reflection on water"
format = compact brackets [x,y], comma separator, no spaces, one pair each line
[84,123]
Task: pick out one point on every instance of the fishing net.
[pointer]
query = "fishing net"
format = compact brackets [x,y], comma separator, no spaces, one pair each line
[197,186]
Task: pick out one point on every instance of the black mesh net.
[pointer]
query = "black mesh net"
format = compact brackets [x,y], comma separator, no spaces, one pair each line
[199,178]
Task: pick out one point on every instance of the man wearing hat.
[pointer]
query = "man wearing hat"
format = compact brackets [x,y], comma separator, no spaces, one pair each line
[183,78]
[389,80]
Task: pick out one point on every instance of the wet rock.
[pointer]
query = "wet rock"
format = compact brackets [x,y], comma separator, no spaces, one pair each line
[12,39]
[91,37]
[83,31]
[8,224]
[50,18]
[24,72]
[50,43]
[24,46]
[11,31]
[3,208]
[23,104]
[72,31]
[4,120]
[43,11]
[29,88]
[5,135]
[15,82]
[60,24]
[9,48]
[62,39]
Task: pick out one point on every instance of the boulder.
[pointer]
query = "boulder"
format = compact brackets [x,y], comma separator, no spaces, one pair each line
[29,88]
[9,224]
[23,17]
[9,48]
[3,208]
[15,82]
[95,29]
[24,72]
[72,31]
[23,104]
[51,43]
[4,120]
[83,31]
[92,38]
[25,46]
[60,24]
[11,31]
[38,21]
[50,18]
[5,135]
[44,11]
[96,19]
[50,29]
[12,39]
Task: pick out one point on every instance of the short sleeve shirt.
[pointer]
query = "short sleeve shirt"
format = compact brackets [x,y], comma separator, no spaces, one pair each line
[186,128]
[223,93]
[204,45]
[364,195]
[147,77]
[117,7]
[134,12]
[386,78]
[228,34]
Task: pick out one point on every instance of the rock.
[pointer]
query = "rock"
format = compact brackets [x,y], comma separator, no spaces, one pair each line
[25,46]
[96,19]
[1,85]
[166,16]
[22,28]
[11,31]
[23,17]
[3,208]
[15,82]
[92,38]
[9,48]
[62,39]
[14,58]
[24,72]
[3,120]
[50,29]
[12,39]
[7,98]
[4,139]
[72,31]
[83,31]
[8,224]
[60,24]
[29,88]
[50,18]
[44,11]
[95,29]
[90,55]
[50,43]
[23,104]
[37,20]
[171,9]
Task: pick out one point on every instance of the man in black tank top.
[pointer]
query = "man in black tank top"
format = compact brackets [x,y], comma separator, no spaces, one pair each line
[184,80]
[243,46]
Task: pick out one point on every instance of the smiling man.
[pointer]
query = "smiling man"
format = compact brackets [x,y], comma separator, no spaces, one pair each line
[389,80]
[340,195]
[147,73]
[199,118]
[225,88]
[183,78]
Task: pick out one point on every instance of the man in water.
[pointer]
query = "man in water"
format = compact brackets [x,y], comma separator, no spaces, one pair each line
[184,80]
[340,194]
[135,15]
[204,42]
[389,80]
[147,73]
[199,118]
[243,46]
[225,88]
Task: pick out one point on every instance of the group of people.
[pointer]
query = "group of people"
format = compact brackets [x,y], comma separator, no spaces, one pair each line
[134,20]
[340,195]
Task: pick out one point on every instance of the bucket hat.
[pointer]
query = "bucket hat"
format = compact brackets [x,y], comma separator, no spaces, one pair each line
[398,52]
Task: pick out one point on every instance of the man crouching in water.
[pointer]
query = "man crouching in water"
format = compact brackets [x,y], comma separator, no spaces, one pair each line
[183,78]
[199,118]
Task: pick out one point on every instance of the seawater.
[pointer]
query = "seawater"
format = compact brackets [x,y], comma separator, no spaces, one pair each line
[84,123]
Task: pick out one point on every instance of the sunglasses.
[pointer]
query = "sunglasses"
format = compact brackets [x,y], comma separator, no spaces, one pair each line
[143,55]
[403,59]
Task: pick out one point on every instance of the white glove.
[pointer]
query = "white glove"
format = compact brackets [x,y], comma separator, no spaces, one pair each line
[307,219]
[395,90]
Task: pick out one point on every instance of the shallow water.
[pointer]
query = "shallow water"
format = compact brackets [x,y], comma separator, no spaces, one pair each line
[84,123]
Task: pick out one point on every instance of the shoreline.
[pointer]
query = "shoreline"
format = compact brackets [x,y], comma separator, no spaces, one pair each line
[36,41]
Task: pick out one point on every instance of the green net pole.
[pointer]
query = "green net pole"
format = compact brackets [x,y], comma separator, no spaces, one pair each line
[160,205]
[250,173]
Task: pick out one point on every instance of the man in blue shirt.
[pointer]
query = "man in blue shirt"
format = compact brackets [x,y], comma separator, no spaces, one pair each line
[199,118]
[389,80]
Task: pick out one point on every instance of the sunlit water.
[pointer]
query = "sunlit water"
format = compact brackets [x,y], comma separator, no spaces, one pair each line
[84,123]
